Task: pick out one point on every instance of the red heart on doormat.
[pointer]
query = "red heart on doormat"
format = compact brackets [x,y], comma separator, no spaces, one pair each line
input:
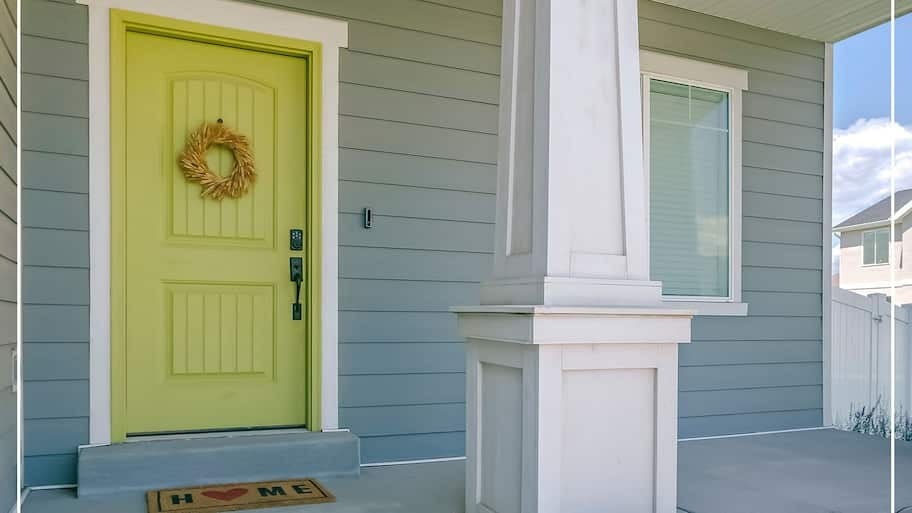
[227,495]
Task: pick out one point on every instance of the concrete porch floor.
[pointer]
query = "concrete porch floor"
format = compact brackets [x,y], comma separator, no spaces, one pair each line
[821,471]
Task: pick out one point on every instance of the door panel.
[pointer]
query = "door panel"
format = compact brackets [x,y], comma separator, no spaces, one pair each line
[195,98]
[210,342]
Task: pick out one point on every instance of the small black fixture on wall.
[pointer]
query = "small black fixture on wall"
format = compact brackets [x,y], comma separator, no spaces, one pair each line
[368,217]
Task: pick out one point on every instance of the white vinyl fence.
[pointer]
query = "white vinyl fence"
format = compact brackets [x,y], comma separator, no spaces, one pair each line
[860,355]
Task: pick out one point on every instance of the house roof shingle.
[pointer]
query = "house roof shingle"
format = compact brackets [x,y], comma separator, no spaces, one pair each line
[879,211]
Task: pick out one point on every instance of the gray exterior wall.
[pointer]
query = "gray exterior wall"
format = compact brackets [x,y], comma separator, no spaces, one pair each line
[419,100]
[761,372]
[55,238]
[8,220]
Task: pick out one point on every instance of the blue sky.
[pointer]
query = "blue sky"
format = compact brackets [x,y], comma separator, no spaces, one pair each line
[861,104]
[861,72]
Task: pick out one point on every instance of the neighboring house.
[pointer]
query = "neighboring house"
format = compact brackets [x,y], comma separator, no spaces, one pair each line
[864,249]
[132,278]
[8,257]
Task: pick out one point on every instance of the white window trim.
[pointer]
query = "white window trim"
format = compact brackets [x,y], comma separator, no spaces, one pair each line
[732,81]
[332,34]
[889,243]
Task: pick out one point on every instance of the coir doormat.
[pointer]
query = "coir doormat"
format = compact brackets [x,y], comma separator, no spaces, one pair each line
[237,496]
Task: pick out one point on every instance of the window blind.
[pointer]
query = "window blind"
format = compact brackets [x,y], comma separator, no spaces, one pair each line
[689,189]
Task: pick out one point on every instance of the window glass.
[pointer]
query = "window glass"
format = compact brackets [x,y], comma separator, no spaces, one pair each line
[868,244]
[881,246]
[689,189]
[875,246]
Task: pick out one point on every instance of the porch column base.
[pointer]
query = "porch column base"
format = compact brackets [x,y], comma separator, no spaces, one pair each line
[572,409]
[570,291]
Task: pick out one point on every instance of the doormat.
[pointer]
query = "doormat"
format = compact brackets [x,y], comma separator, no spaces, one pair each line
[237,496]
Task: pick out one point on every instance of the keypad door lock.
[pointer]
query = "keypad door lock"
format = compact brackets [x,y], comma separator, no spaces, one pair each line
[296,239]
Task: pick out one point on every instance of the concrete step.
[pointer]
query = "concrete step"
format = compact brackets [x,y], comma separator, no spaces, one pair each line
[168,463]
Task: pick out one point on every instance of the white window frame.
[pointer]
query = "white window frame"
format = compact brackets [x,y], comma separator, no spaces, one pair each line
[720,78]
[889,243]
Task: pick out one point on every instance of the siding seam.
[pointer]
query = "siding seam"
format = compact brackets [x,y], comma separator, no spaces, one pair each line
[356,148]
[405,59]
[377,23]
[421,93]
[461,8]
[412,123]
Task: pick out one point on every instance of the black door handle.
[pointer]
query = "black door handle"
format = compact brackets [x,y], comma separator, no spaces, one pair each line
[296,266]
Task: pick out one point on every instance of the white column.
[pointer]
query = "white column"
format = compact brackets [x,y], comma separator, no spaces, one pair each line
[572,357]
[571,209]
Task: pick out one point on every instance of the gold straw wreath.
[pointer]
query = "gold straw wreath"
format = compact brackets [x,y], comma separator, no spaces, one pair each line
[196,168]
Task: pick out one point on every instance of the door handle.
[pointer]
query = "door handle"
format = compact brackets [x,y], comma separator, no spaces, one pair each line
[296,266]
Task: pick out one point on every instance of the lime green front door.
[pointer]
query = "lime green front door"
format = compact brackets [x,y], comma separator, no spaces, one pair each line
[210,342]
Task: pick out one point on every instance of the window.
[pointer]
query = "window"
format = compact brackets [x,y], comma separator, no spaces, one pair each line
[688,189]
[692,139]
[876,244]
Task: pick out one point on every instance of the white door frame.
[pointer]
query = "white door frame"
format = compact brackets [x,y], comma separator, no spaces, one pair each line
[332,34]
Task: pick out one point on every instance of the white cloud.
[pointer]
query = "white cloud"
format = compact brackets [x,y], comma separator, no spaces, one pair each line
[861,167]
[861,164]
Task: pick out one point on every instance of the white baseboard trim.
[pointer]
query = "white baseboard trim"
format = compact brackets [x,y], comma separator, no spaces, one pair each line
[412,462]
[17,506]
[19,502]
[89,446]
[47,487]
[758,433]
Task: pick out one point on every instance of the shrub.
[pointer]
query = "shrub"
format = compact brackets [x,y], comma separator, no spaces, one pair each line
[875,420]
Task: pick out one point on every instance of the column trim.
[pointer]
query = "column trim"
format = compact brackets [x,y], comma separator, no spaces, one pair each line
[827,235]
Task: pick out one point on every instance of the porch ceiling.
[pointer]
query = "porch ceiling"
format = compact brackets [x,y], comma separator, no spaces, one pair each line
[820,20]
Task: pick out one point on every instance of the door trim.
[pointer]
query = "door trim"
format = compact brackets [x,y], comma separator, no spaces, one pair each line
[220,18]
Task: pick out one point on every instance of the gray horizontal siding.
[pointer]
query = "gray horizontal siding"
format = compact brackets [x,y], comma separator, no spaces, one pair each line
[413,446]
[368,295]
[423,47]
[746,33]
[415,233]
[417,203]
[702,353]
[56,361]
[418,77]
[54,238]
[413,264]
[419,140]
[406,420]
[417,108]
[773,420]
[418,105]
[8,236]
[410,358]
[55,323]
[48,437]
[415,171]
[381,327]
[782,183]
[8,253]
[761,372]
[419,94]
